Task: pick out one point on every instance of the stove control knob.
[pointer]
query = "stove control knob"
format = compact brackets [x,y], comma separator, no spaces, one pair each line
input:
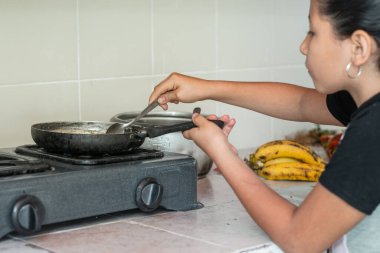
[27,215]
[149,194]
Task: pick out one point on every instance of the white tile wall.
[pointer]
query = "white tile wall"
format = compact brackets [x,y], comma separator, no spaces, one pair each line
[23,105]
[102,99]
[183,35]
[245,33]
[38,41]
[91,59]
[114,38]
[290,26]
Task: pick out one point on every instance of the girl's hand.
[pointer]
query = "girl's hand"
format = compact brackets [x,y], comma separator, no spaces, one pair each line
[209,137]
[179,88]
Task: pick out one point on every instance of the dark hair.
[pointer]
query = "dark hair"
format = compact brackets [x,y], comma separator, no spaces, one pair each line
[347,16]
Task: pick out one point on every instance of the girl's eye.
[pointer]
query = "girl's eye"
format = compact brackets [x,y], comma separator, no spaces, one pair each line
[310,33]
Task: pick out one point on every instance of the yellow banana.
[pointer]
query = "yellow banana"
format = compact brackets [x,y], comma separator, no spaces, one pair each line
[293,162]
[257,164]
[280,160]
[291,171]
[285,148]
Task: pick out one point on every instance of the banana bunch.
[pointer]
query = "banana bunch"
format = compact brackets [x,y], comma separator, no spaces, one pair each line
[287,160]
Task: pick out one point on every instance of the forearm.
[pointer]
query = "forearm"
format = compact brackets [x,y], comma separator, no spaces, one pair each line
[268,209]
[279,100]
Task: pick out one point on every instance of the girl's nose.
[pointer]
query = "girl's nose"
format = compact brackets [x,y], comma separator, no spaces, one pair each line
[304,45]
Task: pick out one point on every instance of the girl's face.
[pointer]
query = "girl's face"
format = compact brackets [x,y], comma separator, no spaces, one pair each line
[326,55]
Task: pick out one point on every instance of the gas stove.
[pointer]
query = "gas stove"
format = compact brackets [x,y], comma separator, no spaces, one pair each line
[38,188]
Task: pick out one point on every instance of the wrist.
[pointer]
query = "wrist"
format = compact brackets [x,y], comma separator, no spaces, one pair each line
[208,89]
[223,155]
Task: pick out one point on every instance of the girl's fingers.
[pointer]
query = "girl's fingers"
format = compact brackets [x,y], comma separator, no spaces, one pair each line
[212,117]
[229,126]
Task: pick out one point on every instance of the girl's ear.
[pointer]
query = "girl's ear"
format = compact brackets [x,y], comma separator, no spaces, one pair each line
[363,46]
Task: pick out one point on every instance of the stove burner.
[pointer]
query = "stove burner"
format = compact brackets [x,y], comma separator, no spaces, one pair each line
[12,165]
[134,155]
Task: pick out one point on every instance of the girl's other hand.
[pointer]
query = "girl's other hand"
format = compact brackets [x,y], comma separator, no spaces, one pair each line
[209,137]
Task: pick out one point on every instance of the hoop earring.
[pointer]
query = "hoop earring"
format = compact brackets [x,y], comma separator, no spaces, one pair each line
[348,70]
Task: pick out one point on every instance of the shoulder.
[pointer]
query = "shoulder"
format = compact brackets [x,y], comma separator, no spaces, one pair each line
[341,105]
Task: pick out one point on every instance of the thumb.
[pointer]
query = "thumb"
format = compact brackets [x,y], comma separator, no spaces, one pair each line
[199,120]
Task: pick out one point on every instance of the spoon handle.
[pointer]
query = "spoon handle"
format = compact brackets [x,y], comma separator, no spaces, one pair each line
[150,107]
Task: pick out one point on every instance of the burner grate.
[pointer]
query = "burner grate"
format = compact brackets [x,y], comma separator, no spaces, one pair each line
[133,155]
[12,166]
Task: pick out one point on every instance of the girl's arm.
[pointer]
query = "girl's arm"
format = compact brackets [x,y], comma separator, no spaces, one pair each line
[280,100]
[314,226]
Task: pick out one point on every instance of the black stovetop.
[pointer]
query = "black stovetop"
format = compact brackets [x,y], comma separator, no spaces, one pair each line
[38,188]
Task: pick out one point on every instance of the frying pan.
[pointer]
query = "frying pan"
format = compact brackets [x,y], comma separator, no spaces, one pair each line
[90,138]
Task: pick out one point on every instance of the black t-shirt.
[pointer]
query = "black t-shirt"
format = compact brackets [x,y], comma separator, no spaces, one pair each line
[353,172]
[342,106]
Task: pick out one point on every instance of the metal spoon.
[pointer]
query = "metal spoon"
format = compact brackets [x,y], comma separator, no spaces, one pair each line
[119,128]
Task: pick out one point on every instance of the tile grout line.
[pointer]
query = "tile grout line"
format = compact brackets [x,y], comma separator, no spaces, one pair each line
[152,35]
[216,5]
[175,233]
[63,231]
[145,76]
[78,63]
[271,119]
[32,244]
[36,83]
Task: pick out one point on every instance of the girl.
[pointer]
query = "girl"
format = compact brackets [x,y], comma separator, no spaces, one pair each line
[343,59]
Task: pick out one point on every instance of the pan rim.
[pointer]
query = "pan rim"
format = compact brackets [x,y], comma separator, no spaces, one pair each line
[40,127]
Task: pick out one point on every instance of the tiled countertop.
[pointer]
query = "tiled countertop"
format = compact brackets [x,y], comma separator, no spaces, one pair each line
[222,225]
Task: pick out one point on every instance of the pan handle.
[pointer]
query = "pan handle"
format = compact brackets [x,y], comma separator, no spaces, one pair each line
[161,130]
